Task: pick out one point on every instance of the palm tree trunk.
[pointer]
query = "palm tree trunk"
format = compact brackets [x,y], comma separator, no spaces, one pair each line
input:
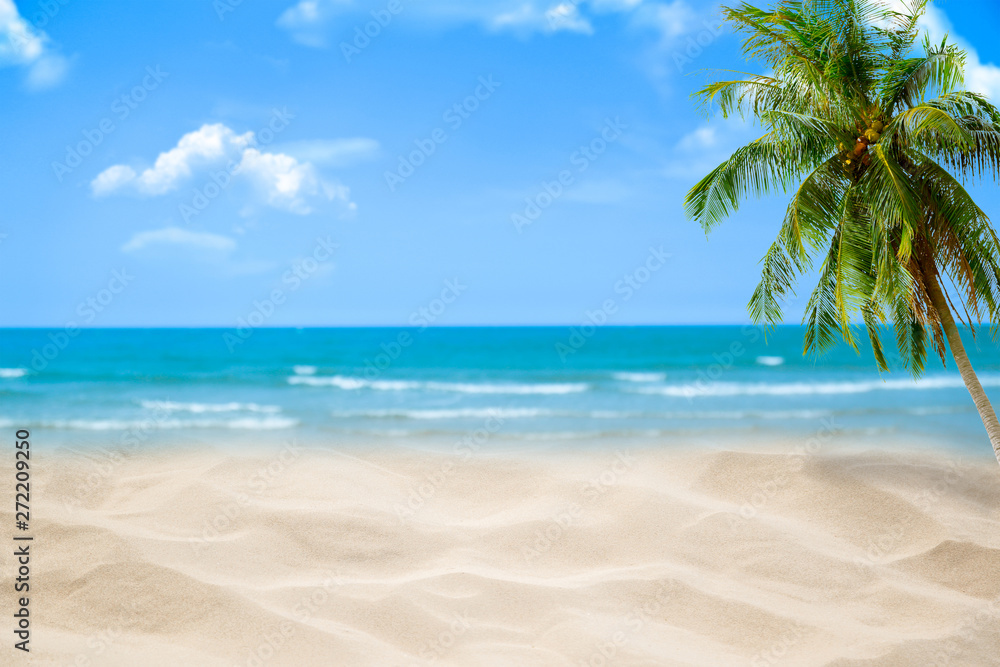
[940,303]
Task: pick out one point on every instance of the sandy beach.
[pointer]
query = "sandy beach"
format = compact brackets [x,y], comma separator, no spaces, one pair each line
[619,556]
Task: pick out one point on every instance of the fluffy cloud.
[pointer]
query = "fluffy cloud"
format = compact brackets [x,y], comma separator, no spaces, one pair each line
[179,237]
[23,45]
[529,17]
[208,145]
[281,180]
[980,77]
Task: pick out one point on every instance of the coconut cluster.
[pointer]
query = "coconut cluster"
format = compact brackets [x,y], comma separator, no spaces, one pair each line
[859,154]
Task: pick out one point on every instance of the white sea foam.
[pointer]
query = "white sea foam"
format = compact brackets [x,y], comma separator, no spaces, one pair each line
[770,361]
[10,373]
[353,383]
[458,413]
[250,423]
[202,408]
[549,388]
[696,389]
[527,413]
[640,377]
[305,370]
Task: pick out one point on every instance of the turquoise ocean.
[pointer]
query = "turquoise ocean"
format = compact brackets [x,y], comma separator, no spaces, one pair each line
[534,385]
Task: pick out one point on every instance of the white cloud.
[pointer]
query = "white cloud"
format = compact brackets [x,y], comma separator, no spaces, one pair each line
[705,147]
[305,20]
[111,179]
[308,20]
[23,45]
[531,17]
[209,144]
[669,20]
[179,237]
[980,77]
[566,16]
[281,180]
[331,152]
[704,137]
[20,43]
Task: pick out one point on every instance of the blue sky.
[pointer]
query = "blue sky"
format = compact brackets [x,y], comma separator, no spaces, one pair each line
[189,163]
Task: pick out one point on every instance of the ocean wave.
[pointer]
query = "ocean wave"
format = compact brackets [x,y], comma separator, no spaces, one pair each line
[712,415]
[10,373]
[770,361]
[201,408]
[479,413]
[640,377]
[354,383]
[305,370]
[699,389]
[249,423]
[528,413]
[548,388]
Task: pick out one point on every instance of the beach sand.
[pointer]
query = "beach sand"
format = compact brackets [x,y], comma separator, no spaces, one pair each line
[627,556]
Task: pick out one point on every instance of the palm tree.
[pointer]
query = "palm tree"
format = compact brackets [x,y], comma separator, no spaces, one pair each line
[875,138]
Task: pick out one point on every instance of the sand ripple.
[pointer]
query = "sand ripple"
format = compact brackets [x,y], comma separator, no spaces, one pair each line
[395,559]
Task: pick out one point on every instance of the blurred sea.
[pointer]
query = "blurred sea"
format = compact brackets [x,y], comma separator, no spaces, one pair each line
[532,383]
